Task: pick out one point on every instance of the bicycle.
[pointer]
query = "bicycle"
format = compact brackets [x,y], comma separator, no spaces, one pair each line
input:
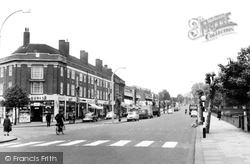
[60,129]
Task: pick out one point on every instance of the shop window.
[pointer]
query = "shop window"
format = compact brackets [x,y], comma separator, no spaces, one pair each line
[37,88]
[37,72]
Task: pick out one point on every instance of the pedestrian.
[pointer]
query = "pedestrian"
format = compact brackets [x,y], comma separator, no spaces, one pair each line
[48,119]
[7,125]
[219,114]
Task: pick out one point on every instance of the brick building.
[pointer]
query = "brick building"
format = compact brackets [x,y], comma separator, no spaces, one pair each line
[55,81]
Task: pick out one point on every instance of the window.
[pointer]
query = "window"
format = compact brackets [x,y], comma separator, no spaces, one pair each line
[84,78]
[72,90]
[80,92]
[92,93]
[10,70]
[84,92]
[100,95]
[89,79]
[92,80]
[37,88]
[1,88]
[10,84]
[101,83]
[77,81]
[80,76]
[1,71]
[106,96]
[67,89]
[37,72]
[73,74]
[68,73]
[97,81]
[61,88]
[61,71]
[97,94]
[89,94]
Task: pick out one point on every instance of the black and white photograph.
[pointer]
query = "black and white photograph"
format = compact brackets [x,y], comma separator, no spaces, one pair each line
[124,82]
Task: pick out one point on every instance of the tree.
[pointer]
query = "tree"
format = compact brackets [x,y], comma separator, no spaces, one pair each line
[180,98]
[15,97]
[164,95]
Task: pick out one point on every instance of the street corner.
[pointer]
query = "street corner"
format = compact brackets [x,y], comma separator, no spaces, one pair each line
[4,139]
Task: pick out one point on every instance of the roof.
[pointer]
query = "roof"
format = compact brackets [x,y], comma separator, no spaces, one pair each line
[38,48]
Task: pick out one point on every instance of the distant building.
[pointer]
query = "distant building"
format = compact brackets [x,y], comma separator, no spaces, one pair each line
[55,81]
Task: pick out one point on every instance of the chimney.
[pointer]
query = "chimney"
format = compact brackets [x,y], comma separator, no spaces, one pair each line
[64,47]
[84,57]
[106,66]
[98,64]
[26,37]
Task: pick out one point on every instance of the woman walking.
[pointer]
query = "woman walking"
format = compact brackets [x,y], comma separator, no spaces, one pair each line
[7,126]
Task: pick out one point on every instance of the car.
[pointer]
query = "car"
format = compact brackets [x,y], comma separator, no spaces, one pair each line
[90,117]
[109,115]
[192,107]
[134,115]
[170,111]
[176,109]
[143,113]
[194,113]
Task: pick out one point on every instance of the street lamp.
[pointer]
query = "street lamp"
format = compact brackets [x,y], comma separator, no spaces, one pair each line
[112,99]
[24,11]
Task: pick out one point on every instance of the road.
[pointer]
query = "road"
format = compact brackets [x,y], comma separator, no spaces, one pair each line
[166,139]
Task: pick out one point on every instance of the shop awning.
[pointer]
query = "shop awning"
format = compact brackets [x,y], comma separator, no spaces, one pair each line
[94,106]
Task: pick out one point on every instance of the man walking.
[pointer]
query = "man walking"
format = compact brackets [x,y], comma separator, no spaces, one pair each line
[48,119]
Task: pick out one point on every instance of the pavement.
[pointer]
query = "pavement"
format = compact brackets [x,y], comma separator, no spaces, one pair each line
[224,144]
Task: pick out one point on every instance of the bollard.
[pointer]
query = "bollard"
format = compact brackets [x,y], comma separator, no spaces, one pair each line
[204,132]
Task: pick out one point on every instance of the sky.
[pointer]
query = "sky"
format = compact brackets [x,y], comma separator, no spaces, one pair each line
[148,37]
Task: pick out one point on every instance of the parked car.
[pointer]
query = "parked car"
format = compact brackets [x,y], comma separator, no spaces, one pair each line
[90,117]
[134,115]
[170,111]
[194,113]
[109,115]
[143,113]
[176,109]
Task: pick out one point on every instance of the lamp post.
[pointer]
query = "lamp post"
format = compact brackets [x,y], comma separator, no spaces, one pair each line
[24,11]
[112,99]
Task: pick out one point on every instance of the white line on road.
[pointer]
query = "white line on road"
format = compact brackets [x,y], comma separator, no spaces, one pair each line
[120,143]
[8,144]
[72,143]
[169,144]
[144,143]
[49,143]
[25,144]
[96,143]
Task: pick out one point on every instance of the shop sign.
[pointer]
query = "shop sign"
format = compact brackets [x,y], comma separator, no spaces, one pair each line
[37,98]
[36,104]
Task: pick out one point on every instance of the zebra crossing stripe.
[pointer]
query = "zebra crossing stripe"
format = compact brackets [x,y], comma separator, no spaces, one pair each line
[120,143]
[144,144]
[49,143]
[169,144]
[8,144]
[26,144]
[72,143]
[96,143]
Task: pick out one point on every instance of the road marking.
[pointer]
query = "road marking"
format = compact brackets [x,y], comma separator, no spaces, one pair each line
[49,143]
[8,144]
[26,144]
[96,143]
[169,144]
[144,143]
[72,143]
[120,143]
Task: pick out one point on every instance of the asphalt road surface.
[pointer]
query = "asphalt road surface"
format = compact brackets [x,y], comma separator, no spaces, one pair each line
[166,139]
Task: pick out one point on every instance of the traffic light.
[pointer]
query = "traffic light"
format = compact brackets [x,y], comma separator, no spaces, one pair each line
[207,79]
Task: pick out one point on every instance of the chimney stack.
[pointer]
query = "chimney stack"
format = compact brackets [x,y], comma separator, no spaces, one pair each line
[26,37]
[64,47]
[84,57]
[98,64]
